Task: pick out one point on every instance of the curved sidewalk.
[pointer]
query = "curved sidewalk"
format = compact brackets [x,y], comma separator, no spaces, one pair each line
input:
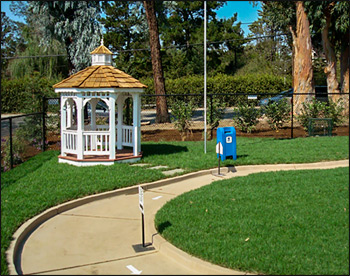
[101,234]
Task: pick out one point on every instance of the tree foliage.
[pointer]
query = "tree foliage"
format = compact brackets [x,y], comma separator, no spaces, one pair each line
[11,38]
[126,29]
[74,23]
[271,50]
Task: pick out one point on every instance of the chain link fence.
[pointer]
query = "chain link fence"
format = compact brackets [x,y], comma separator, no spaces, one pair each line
[21,138]
[261,114]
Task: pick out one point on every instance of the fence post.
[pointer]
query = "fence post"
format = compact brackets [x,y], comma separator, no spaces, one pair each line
[11,151]
[44,124]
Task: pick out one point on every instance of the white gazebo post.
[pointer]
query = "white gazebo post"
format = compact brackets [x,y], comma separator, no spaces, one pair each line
[63,126]
[112,137]
[69,113]
[120,104]
[136,123]
[80,127]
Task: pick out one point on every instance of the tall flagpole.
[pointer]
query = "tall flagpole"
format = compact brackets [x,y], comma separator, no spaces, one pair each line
[205,76]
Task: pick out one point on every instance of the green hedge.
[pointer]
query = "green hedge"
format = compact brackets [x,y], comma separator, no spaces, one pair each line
[221,84]
[25,94]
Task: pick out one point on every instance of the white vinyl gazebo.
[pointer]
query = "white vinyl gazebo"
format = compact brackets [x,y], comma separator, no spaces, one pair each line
[93,144]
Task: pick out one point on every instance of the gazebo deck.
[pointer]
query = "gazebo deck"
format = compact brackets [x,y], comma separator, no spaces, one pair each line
[121,155]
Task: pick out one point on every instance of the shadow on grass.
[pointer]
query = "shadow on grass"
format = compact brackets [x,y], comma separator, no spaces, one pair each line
[158,149]
[164,225]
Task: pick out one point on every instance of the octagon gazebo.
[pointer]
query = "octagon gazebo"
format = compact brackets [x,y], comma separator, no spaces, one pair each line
[92,144]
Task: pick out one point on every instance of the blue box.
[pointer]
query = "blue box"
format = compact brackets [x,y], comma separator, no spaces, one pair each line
[227,137]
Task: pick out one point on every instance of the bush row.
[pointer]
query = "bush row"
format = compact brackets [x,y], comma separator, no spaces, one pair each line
[221,84]
[25,94]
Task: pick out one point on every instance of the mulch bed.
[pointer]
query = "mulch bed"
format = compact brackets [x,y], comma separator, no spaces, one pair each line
[197,135]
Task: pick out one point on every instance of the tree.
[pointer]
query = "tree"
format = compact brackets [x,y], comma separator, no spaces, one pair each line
[330,25]
[227,44]
[290,15]
[302,66]
[11,39]
[162,115]
[125,30]
[183,32]
[24,41]
[271,51]
[74,23]
[319,14]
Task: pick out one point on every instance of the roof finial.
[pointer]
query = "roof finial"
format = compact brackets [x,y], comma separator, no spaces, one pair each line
[102,41]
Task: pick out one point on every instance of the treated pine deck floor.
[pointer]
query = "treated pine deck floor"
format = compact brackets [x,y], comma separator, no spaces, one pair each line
[123,154]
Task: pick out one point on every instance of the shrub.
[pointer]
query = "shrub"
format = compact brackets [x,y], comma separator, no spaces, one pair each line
[25,94]
[277,113]
[247,117]
[18,147]
[31,130]
[335,111]
[183,111]
[214,115]
[53,123]
[318,109]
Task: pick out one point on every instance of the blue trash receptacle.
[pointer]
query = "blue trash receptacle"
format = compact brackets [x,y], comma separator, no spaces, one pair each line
[227,137]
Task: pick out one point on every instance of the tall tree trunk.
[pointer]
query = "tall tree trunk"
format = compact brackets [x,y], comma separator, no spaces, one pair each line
[302,63]
[345,64]
[328,48]
[344,71]
[162,115]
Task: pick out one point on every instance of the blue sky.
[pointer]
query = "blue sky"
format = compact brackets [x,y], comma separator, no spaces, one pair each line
[5,7]
[246,12]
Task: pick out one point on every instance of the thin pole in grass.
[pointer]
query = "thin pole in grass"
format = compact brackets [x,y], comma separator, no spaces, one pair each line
[205,76]
[44,123]
[11,150]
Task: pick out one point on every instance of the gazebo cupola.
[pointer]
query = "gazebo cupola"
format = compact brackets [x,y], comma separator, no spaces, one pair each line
[101,56]
[85,141]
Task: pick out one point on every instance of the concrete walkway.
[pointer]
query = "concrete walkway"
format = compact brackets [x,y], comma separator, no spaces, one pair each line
[101,234]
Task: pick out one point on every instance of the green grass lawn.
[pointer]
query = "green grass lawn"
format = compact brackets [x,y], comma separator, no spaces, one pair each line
[279,223]
[42,182]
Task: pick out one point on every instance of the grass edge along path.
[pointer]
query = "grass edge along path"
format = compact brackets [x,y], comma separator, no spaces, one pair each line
[279,223]
[41,182]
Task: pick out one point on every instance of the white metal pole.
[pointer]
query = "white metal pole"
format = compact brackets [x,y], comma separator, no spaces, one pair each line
[205,76]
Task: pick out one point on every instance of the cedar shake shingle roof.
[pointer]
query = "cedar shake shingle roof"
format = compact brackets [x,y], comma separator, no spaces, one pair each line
[101,50]
[100,76]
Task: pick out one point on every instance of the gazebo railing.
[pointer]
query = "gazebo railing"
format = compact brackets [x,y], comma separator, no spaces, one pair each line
[96,142]
[70,141]
[127,135]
